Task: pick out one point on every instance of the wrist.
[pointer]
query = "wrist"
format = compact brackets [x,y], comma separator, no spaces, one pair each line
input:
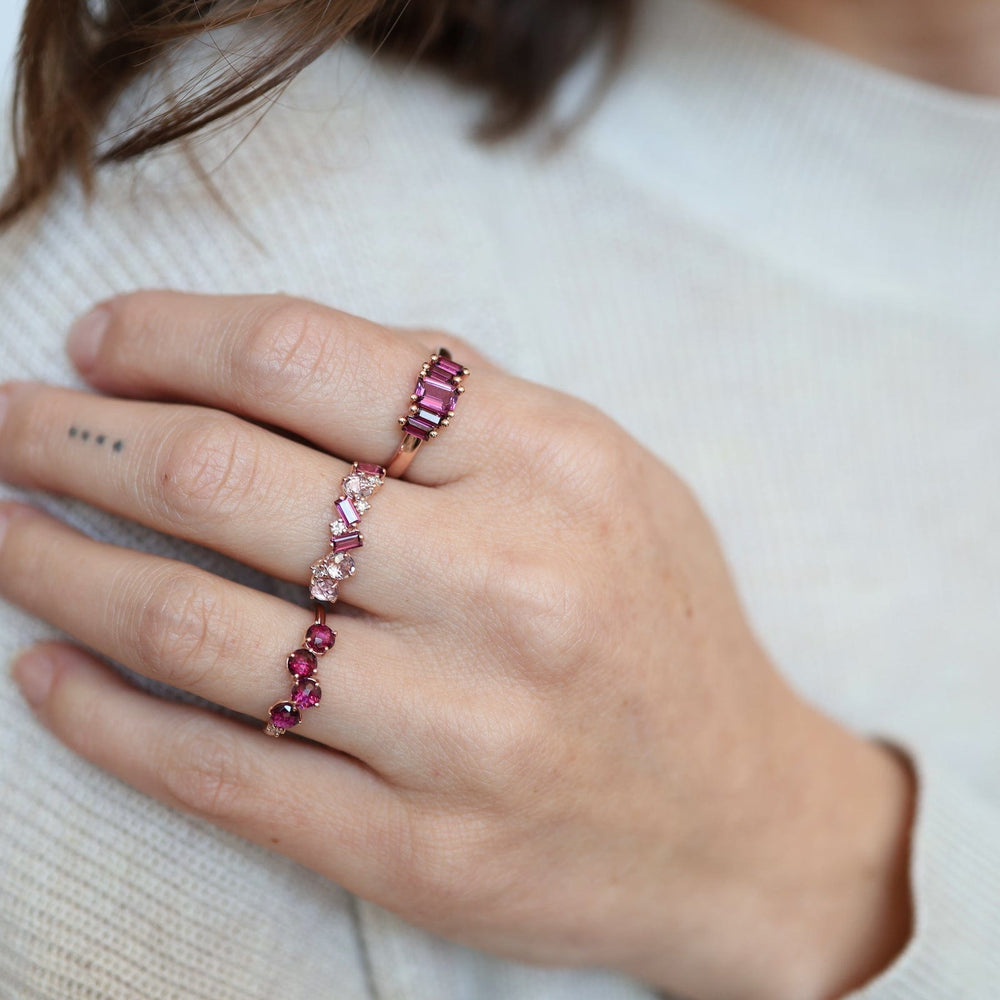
[834,876]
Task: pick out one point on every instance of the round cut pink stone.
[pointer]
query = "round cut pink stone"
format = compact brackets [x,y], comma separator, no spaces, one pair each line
[306,693]
[320,638]
[323,588]
[337,566]
[301,663]
[359,485]
[284,715]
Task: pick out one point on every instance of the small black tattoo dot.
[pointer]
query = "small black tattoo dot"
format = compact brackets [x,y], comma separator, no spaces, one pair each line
[85,435]
[73,432]
[100,439]
[118,445]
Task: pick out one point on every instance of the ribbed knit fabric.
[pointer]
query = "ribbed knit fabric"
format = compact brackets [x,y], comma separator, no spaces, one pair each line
[774,266]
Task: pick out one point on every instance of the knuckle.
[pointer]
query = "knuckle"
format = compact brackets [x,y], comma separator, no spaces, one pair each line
[173,629]
[291,343]
[207,467]
[204,770]
[543,611]
[509,747]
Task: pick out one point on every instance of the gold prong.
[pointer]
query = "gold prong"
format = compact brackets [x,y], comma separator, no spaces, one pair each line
[446,421]
[402,420]
[434,434]
[413,398]
[465,371]
[460,389]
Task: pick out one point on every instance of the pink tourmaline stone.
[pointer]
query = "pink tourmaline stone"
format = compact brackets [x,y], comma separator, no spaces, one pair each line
[347,511]
[451,368]
[370,469]
[344,543]
[284,715]
[320,638]
[439,397]
[301,663]
[323,589]
[306,693]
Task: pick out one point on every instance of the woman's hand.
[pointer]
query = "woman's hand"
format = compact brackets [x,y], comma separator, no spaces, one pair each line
[547,731]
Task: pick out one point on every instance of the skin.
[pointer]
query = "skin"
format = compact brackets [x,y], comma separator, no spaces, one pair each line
[547,729]
[952,44]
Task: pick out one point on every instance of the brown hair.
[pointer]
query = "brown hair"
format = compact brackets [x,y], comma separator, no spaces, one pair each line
[73,62]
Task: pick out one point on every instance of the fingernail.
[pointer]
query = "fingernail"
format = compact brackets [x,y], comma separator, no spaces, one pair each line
[85,337]
[33,673]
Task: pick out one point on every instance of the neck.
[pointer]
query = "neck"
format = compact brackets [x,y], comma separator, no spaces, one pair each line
[951,43]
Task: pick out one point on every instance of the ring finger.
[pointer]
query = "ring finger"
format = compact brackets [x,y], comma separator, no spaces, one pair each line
[223,642]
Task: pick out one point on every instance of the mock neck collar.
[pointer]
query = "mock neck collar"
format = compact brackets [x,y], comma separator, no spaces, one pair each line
[883,183]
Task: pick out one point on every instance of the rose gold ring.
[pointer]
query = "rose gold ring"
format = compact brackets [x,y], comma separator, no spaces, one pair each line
[434,399]
[327,574]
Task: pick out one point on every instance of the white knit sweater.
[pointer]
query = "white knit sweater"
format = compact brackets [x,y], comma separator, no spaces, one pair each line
[787,261]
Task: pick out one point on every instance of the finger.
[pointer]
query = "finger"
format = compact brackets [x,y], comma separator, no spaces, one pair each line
[223,642]
[217,480]
[318,807]
[334,379]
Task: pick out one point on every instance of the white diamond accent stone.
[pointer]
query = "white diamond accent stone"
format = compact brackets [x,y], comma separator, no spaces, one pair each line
[339,528]
[363,506]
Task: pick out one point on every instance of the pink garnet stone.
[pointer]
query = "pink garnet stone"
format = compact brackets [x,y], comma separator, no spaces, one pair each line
[301,663]
[306,693]
[370,469]
[320,638]
[284,715]
[438,397]
[447,367]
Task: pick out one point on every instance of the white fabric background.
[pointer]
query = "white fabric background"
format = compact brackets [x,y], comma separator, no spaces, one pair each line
[791,259]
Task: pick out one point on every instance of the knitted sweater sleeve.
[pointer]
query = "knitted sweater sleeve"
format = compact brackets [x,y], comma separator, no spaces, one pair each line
[954,953]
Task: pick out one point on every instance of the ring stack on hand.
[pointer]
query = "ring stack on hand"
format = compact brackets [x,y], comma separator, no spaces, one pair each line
[434,400]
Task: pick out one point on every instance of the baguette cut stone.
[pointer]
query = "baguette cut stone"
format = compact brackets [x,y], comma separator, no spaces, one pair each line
[371,469]
[448,367]
[346,542]
[301,663]
[416,427]
[347,511]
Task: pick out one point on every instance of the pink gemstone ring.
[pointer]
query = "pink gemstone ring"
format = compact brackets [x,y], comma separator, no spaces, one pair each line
[327,573]
[434,399]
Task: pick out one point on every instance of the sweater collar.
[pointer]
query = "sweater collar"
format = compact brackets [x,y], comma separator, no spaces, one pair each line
[883,184]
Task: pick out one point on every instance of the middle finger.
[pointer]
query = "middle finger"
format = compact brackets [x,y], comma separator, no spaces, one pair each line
[214,479]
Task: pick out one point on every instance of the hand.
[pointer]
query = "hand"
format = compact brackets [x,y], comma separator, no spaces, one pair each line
[546,731]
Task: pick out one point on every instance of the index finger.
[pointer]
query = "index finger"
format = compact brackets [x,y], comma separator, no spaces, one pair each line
[336,380]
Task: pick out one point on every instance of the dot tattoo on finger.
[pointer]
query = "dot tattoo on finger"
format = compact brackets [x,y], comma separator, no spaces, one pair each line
[99,439]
